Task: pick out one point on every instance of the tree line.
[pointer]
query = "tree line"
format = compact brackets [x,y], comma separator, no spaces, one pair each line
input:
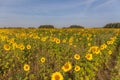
[109,25]
[112,25]
[51,26]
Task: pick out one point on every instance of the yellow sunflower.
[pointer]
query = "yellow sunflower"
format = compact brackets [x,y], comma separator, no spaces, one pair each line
[88,56]
[12,40]
[57,76]
[67,67]
[77,68]
[70,43]
[21,46]
[77,56]
[52,39]
[108,42]
[109,52]
[43,39]
[89,44]
[26,67]
[57,41]
[74,46]
[6,47]
[64,40]
[103,46]
[28,46]
[111,42]
[95,49]
[42,59]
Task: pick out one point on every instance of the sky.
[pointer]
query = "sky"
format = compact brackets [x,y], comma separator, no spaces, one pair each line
[60,13]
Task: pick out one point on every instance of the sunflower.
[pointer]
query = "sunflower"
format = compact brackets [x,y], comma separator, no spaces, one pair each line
[6,47]
[74,46]
[64,40]
[42,59]
[67,67]
[89,44]
[14,45]
[28,46]
[95,49]
[52,39]
[12,40]
[102,47]
[77,68]
[108,42]
[109,52]
[21,46]
[57,41]
[77,56]
[26,67]
[71,40]
[88,56]
[43,39]
[111,42]
[70,43]
[57,76]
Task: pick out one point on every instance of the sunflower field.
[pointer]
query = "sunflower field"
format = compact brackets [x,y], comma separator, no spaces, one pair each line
[59,54]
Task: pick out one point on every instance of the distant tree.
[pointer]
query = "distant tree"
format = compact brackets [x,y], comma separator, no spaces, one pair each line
[75,26]
[112,25]
[46,26]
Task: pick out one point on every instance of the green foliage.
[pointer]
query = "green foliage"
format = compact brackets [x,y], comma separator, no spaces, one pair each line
[57,47]
[75,26]
[112,25]
[46,26]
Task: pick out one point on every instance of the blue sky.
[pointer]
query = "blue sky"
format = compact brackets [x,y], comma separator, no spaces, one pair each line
[60,13]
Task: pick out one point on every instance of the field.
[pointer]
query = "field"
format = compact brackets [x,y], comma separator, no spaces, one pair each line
[59,54]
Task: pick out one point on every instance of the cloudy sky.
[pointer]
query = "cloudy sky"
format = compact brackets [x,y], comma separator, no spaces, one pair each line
[60,13]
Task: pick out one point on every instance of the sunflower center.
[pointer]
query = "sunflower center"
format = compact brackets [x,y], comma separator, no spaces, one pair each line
[88,56]
[94,49]
[26,67]
[7,47]
[57,77]
[76,68]
[77,56]
[66,66]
